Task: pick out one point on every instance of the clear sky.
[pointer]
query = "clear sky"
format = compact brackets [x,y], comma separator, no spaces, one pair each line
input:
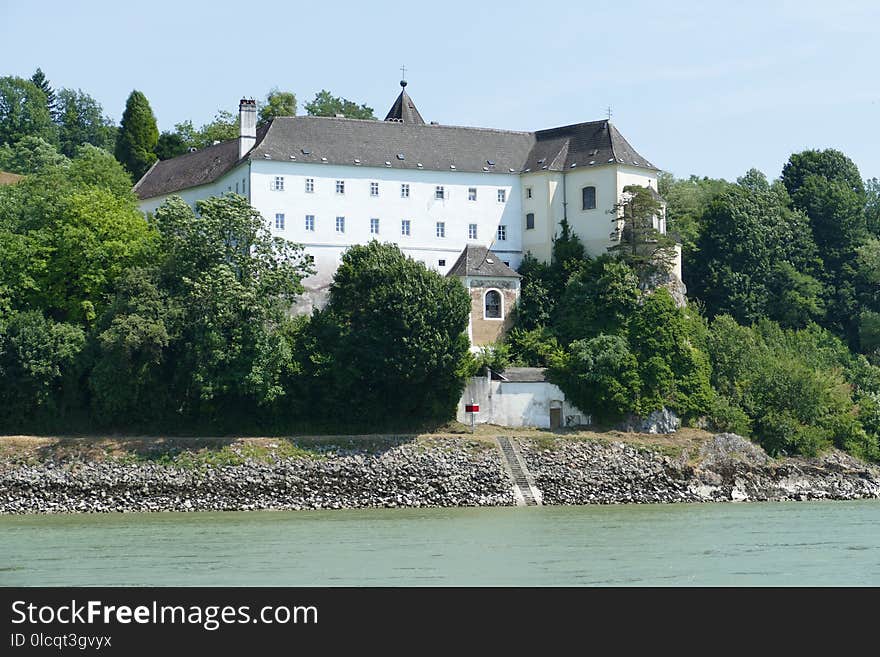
[696,86]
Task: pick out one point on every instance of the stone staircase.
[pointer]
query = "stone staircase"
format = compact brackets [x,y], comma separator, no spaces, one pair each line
[525,493]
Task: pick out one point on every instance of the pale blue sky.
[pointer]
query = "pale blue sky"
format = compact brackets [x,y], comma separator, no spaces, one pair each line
[697,87]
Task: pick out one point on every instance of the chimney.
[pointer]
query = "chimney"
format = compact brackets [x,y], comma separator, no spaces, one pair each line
[247,126]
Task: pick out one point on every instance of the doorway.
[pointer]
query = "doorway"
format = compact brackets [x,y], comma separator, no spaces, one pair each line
[555,418]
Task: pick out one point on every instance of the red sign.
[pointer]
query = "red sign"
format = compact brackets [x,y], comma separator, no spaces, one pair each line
[471,408]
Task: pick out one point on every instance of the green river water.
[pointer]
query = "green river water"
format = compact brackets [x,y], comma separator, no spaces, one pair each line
[796,543]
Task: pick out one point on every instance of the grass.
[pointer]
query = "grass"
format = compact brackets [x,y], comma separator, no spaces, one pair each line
[203,452]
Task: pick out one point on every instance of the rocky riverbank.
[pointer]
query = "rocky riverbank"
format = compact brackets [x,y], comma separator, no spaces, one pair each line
[451,471]
[725,468]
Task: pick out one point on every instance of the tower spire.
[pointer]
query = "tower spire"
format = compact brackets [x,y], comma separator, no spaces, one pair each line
[404,110]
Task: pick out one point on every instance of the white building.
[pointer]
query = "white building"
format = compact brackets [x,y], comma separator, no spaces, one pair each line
[432,189]
[518,397]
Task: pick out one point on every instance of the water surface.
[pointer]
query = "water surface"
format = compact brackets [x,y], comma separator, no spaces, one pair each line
[794,543]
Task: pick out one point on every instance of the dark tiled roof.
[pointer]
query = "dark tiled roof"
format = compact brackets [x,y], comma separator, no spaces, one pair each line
[480,261]
[521,375]
[188,170]
[400,145]
[329,140]
[579,145]
[404,109]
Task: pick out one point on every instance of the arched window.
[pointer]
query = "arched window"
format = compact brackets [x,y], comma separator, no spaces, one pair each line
[493,304]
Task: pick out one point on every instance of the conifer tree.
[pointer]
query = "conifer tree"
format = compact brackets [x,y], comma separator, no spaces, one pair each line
[138,135]
[39,79]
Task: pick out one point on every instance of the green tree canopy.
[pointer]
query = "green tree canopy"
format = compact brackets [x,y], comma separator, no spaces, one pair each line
[747,232]
[30,155]
[326,104]
[203,323]
[641,244]
[81,121]
[686,200]
[39,79]
[391,343]
[600,376]
[277,103]
[24,112]
[138,135]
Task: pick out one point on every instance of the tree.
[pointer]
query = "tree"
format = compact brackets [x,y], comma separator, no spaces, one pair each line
[872,206]
[24,112]
[203,324]
[278,103]
[325,104]
[829,164]
[170,144]
[138,136]
[71,236]
[599,299]
[30,155]
[600,376]
[81,121]
[796,298]
[673,371]
[39,79]
[747,232]
[223,127]
[390,346]
[686,200]
[642,246]
[38,365]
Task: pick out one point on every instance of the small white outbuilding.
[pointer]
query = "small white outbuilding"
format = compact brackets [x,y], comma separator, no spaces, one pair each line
[518,397]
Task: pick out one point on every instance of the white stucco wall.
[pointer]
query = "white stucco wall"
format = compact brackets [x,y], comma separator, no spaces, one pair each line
[358,206]
[516,404]
[255,181]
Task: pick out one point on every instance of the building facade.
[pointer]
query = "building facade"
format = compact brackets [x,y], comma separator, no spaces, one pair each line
[329,183]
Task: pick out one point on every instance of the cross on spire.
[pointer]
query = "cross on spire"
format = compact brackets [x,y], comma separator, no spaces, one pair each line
[403,72]
[608,112]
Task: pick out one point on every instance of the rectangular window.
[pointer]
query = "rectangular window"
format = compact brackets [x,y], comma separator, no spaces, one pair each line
[404,227]
[404,190]
[589,197]
[441,229]
[374,189]
[310,222]
[310,185]
[502,233]
[340,224]
[441,263]
[472,193]
[236,188]
[244,185]
[279,220]
[530,221]
[374,226]
[472,231]
[439,192]
[340,187]
[502,195]
[528,192]
[278,184]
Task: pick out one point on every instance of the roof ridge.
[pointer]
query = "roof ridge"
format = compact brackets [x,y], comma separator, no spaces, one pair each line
[432,126]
